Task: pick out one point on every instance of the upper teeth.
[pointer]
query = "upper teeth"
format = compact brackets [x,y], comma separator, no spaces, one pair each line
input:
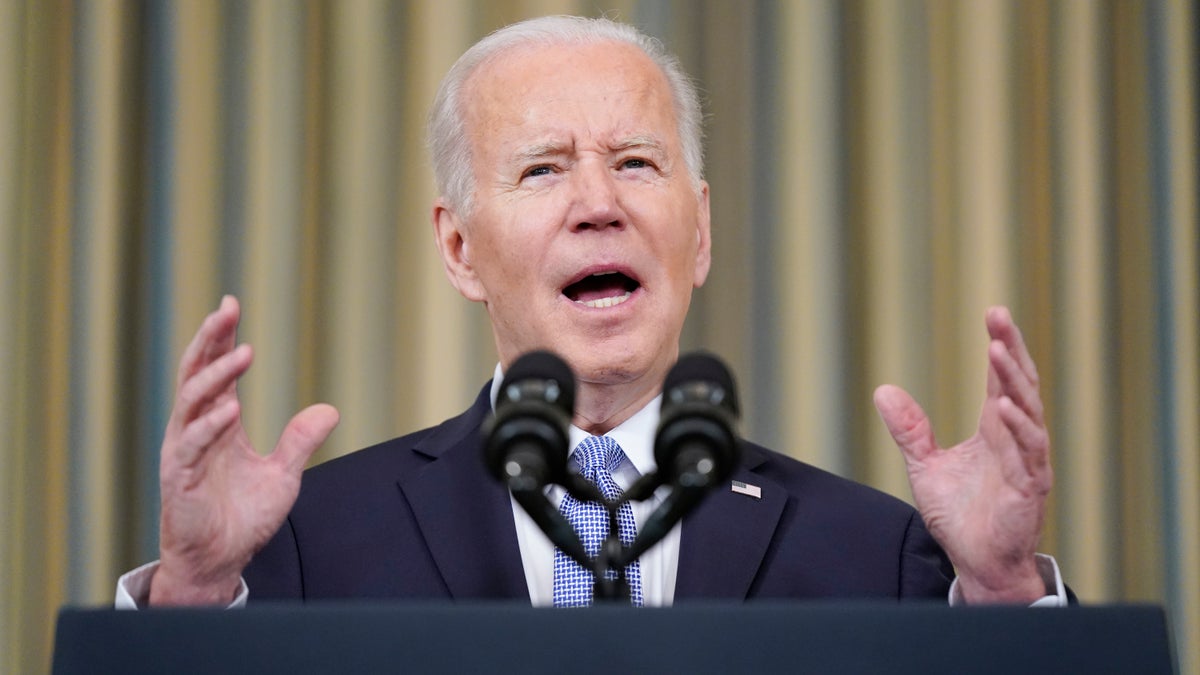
[606,302]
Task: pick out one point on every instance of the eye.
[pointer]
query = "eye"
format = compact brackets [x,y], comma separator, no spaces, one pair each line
[634,163]
[540,170]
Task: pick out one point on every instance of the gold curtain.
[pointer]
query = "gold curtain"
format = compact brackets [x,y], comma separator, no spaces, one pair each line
[881,170]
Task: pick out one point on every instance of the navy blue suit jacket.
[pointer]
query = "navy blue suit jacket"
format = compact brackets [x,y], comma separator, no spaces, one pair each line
[419,517]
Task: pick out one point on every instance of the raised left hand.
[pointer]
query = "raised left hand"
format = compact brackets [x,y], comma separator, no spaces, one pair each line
[984,500]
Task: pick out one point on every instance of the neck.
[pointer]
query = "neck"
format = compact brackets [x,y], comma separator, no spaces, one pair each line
[602,406]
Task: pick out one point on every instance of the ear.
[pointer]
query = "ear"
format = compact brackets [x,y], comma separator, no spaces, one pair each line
[704,237]
[451,238]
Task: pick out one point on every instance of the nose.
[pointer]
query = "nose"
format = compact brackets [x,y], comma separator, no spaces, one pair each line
[595,203]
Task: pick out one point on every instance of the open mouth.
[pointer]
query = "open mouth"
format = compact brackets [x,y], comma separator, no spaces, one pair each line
[605,289]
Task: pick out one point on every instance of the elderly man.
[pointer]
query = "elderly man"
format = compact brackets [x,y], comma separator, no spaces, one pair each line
[568,157]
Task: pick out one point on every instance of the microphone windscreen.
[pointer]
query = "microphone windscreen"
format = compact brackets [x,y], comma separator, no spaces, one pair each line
[702,367]
[541,366]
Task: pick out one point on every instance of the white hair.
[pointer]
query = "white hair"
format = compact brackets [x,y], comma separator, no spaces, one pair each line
[449,145]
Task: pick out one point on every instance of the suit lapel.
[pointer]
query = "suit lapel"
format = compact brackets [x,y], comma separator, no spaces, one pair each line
[724,541]
[464,514]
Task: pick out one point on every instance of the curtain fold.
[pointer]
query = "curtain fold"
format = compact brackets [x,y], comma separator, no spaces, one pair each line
[881,172]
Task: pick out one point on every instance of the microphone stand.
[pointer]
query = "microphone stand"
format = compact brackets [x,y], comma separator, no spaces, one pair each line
[612,557]
[609,566]
[525,447]
[611,589]
[611,585]
[606,589]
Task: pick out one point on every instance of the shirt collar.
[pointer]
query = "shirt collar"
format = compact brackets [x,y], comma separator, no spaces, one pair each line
[635,435]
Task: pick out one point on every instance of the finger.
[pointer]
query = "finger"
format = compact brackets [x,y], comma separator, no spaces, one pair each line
[1032,441]
[201,433]
[906,422]
[1001,327]
[1014,382]
[994,388]
[215,337]
[304,434]
[214,380]
[229,313]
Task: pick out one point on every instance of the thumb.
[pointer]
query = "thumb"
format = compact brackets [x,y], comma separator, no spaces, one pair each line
[906,422]
[304,434]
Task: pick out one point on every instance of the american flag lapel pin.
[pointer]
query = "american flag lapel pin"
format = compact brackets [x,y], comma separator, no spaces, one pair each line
[746,489]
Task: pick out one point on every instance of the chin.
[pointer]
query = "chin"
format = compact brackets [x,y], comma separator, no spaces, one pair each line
[612,364]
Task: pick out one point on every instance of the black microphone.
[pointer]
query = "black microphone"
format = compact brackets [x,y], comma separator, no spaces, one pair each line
[695,446]
[527,437]
[526,441]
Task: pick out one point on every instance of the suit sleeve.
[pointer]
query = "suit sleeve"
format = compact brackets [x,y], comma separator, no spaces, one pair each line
[925,570]
[275,572]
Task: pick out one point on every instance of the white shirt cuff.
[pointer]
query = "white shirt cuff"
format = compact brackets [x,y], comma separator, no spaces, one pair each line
[1047,567]
[133,589]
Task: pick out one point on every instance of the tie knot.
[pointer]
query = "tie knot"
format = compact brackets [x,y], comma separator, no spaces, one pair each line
[598,454]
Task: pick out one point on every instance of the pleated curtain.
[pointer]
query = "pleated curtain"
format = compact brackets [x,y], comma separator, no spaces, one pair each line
[882,171]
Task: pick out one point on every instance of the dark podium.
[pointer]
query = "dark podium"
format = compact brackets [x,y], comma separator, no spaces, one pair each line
[692,638]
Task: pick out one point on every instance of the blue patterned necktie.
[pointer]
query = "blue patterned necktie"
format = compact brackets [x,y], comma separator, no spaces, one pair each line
[597,457]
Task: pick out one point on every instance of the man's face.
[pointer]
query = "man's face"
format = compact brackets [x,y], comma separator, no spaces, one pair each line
[587,233]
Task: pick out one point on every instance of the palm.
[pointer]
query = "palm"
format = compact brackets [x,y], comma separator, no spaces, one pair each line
[983,499]
[228,503]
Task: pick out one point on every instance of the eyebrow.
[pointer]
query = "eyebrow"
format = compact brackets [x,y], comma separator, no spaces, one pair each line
[640,142]
[538,151]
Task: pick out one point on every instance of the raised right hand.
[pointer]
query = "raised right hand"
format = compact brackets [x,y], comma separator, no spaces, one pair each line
[221,500]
